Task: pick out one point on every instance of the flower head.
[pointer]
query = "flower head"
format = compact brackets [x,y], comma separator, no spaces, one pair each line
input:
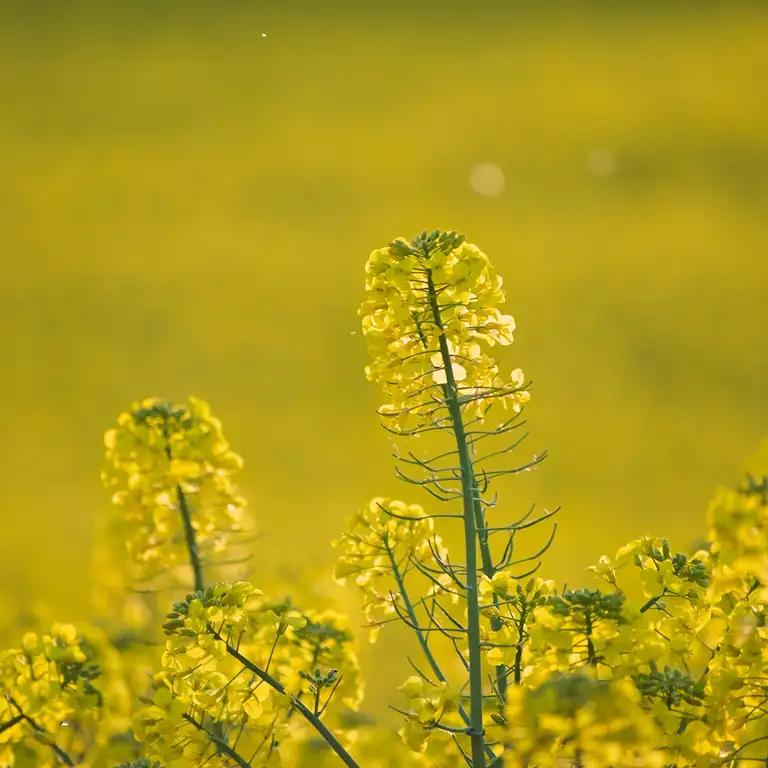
[236,662]
[162,460]
[577,719]
[63,687]
[431,318]
[380,536]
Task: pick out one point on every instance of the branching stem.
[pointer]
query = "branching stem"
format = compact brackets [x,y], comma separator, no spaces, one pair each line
[10,723]
[434,666]
[312,718]
[476,734]
[48,739]
[219,742]
[307,713]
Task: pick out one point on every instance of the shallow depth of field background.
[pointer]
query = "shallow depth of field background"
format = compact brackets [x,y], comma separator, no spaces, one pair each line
[189,191]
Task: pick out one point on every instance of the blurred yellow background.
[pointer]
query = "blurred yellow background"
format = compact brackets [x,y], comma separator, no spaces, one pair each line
[189,191]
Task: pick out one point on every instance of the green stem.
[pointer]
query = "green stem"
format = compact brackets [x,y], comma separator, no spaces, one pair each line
[218,734]
[409,609]
[490,571]
[191,539]
[13,721]
[307,713]
[186,517]
[485,550]
[477,740]
[519,651]
[60,753]
[652,602]
[430,657]
[414,619]
[220,743]
[591,655]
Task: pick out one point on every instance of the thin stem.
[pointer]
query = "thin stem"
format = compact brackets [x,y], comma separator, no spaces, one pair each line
[60,753]
[652,602]
[218,734]
[414,619]
[220,743]
[191,539]
[476,735]
[591,655]
[330,696]
[307,713]
[519,651]
[10,723]
[489,569]
[186,518]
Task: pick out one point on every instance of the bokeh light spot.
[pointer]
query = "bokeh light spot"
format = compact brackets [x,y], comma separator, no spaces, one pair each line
[487,179]
[601,163]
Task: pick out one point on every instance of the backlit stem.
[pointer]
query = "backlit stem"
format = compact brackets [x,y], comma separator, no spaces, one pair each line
[451,394]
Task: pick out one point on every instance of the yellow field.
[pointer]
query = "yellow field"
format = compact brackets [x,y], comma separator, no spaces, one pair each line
[188,196]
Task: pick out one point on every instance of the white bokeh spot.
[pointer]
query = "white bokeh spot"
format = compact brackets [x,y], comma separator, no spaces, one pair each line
[601,163]
[487,179]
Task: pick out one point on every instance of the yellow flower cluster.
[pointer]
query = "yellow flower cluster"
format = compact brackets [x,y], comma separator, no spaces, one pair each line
[737,679]
[431,301]
[738,531]
[654,645]
[383,542]
[575,719]
[170,470]
[51,709]
[428,706]
[693,651]
[233,668]
[374,745]
[510,605]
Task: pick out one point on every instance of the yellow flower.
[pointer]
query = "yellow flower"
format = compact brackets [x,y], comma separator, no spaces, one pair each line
[578,719]
[163,463]
[310,655]
[378,537]
[431,317]
[65,686]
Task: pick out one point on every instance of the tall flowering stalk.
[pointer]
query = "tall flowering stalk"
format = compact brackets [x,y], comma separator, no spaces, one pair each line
[432,320]
[170,471]
[237,666]
[663,665]
[573,678]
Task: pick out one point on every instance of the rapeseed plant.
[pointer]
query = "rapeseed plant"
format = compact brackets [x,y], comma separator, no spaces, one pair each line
[663,662]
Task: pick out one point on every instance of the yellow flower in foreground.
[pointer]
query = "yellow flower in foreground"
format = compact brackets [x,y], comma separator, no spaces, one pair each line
[431,318]
[64,687]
